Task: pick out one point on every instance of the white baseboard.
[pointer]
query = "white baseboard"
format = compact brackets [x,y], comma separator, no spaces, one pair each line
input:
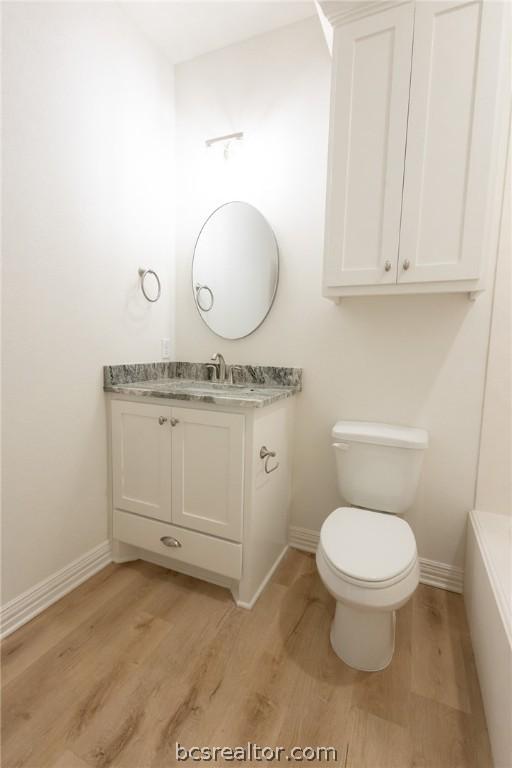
[250,604]
[441,575]
[21,609]
[432,573]
[303,538]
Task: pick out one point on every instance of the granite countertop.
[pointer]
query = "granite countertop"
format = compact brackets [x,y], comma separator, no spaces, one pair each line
[253,387]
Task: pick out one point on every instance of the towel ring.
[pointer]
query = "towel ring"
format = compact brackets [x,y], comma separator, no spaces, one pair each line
[266,454]
[200,288]
[143,273]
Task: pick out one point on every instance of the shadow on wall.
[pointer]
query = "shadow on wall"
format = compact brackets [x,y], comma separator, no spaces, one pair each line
[398,349]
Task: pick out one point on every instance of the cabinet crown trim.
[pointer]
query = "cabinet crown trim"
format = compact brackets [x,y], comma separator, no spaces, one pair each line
[339,13]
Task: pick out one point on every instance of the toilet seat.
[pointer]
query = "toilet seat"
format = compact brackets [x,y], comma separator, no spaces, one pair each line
[369,563]
[381,596]
[366,548]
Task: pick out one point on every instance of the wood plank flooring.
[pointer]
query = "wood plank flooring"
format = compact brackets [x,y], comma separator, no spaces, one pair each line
[139,658]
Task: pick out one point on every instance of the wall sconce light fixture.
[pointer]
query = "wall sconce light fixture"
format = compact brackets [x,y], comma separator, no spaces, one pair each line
[227,141]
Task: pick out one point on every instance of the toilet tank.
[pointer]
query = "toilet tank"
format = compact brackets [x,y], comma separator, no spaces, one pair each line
[378,465]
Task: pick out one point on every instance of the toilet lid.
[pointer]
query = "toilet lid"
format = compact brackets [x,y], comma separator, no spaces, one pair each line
[368,546]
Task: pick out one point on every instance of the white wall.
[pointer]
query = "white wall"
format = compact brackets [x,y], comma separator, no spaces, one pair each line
[494,488]
[413,360]
[87,198]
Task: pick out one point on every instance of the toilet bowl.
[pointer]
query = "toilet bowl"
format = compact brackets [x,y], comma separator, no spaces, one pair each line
[368,562]
[367,556]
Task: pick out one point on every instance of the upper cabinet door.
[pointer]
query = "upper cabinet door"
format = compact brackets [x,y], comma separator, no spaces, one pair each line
[369,102]
[208,472]
[141,459]
[450,140]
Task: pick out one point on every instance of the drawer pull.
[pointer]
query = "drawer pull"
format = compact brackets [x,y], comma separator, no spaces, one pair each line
[266,454]
[170,541]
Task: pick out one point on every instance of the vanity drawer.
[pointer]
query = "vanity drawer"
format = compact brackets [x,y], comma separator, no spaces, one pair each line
[199,549]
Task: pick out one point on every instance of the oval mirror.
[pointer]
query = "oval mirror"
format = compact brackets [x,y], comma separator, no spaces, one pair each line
[235,270]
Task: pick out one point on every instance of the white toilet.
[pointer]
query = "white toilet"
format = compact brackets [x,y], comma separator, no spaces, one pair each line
[366,558]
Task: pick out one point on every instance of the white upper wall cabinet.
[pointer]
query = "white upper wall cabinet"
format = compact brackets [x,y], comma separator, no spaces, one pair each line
[413,147]
[450,140]
[372,65]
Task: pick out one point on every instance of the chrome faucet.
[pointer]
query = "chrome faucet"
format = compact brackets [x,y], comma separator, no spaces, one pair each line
[219,359]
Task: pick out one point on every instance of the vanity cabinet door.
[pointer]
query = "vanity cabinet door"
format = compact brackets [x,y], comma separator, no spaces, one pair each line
[141,459]
[208,471]
[450,140]
[367,135]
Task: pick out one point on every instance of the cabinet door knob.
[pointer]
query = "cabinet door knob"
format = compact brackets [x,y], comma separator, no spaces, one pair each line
[174,422]
[387,266]
[406,264]
[170,541]
[162,420]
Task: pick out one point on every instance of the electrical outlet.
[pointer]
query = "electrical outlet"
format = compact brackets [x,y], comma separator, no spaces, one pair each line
[165,348]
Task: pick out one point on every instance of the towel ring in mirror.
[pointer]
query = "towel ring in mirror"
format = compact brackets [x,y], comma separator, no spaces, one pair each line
[143,274]
[200,288]
[235,270]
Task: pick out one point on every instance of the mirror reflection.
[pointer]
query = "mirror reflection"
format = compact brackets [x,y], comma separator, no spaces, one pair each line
[235,270]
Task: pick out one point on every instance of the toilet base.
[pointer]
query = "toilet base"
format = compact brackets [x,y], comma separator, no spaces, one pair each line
[364,640]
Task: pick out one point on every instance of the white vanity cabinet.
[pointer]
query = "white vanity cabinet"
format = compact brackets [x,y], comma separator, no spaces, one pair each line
[208,472]
[415,146]
[179,465]
[190,490]
[141,459]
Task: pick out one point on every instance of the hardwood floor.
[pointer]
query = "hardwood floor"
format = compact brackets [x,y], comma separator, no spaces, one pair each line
[139,658]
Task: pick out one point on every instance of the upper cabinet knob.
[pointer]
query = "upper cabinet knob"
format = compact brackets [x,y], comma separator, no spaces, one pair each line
[387,266]
[161,420]
[174,422]
[406,264]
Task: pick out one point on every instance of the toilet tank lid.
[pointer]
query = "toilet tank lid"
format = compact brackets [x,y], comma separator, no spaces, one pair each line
[380,434]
